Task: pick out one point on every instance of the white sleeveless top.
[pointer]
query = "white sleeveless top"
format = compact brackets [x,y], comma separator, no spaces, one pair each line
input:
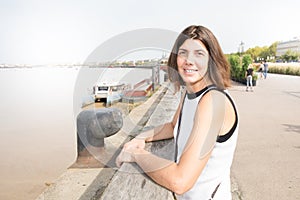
[216,173]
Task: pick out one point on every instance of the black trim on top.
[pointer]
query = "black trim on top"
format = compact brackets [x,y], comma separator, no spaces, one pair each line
[197,94]
[225,137]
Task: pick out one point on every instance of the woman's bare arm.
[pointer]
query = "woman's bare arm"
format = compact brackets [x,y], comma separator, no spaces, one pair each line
[173,175]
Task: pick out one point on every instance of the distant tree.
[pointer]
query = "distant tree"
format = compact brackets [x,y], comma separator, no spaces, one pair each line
[125,63]
[139,62]
[290,56]
[262,53]
[272,49]
[265,53]
[254,52]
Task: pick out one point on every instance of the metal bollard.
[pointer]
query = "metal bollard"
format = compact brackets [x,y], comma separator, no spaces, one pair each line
[92,127]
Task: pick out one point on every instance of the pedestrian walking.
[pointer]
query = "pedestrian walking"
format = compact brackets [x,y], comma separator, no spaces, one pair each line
[249,77]
[265,69]
[261,68]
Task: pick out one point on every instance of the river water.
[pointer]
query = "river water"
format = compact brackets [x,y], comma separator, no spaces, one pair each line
[37,123]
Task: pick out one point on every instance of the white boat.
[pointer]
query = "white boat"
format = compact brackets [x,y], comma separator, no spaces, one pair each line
[109,92]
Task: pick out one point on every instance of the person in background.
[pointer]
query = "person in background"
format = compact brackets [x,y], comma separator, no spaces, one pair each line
[204,127]
[261,67]
[265,69]
[249,77]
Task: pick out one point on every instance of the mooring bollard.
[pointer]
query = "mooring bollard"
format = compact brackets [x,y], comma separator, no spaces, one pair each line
[92,127]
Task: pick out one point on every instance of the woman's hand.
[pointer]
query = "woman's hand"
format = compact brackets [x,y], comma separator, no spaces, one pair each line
[135,143]
[124,156]
[129,150]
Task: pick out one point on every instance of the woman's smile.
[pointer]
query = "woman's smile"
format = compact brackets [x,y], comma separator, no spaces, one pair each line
[190,71]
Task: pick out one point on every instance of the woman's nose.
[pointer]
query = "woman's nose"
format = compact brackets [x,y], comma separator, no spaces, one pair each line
[190,59]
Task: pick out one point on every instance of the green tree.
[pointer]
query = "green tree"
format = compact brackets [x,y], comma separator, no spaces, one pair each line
[262,53]
[124,63]
[272,49]
[254,52]
[246,61]
[290,56]
[265,53]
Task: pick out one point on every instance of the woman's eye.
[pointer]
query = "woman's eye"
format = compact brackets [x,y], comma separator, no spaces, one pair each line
[199,53]
[181,53]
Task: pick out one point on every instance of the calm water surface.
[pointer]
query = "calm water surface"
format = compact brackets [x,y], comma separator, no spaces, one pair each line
[37,125]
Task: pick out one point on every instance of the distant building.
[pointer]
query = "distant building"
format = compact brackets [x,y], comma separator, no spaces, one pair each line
[283,47]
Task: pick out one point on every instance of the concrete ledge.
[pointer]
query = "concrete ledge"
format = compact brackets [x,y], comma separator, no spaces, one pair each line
[131,185]
[74,183]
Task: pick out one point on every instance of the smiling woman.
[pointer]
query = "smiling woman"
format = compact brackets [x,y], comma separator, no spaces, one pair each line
[205,125]
[192,51]
[198,40]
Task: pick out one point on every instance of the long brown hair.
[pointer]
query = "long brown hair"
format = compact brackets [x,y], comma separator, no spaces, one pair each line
[218,67]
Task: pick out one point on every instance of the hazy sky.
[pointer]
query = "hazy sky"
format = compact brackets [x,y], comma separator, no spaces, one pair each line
[67,31]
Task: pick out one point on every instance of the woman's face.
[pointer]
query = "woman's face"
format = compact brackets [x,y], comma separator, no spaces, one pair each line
[192,61]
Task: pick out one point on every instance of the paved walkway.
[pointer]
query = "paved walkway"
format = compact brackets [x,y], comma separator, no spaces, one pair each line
[267,160]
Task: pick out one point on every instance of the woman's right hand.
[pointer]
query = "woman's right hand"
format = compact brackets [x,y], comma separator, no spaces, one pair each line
[135,143]
[126,155]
